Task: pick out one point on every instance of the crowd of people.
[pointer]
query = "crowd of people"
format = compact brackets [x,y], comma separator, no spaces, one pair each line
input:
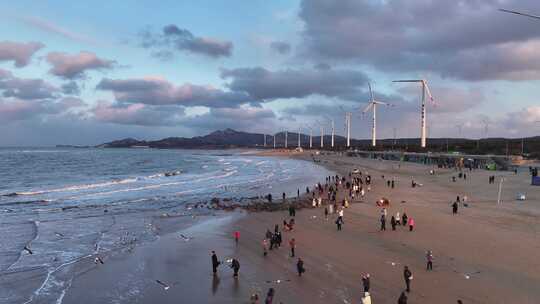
[351,188]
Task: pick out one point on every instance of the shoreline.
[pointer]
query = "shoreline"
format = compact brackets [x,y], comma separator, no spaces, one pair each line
[473,244]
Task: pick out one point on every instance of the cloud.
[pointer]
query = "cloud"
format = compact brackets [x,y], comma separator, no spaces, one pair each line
[280,47]
[468,40]
[20,53]
[248,118]
[75,66]
[15,109]
[71,88]
[50,27]
[172,38]
[136,114]
[262,84]
[158,91]
[11,86]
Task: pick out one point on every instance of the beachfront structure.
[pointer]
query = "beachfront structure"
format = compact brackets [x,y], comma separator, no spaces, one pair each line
[425,90]
[372,105]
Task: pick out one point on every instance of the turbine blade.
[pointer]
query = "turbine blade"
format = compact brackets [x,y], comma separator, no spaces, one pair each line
[370,92]
[429,92]
[519,13]
[368,107]
[408,80]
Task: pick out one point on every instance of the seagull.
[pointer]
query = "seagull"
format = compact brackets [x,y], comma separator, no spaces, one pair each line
[98,260]
[165,286]
[58,234]
[28,250]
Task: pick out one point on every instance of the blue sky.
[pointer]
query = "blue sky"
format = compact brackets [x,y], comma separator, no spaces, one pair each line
[183,68]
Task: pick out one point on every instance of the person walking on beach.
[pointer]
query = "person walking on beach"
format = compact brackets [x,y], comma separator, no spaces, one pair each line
[269,296]
[407,275]
[404,219]
[265,247]
[366,299]
[411,224]
[429,259]
[300,267]
[398,218]
[393,223]
[236,236]
[284,197]
[454,208]
[292,243]
[383,223]
[215,262]
[326,213]
[339,222]
[402,298]
[235,265]
[365,282]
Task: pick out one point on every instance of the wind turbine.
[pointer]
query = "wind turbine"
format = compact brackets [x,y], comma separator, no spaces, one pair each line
[460,128]
[425,90]
[322,134]
[274,141]
[333,129]
[373,105]
[286,133]
[348,121]
[519,13]
[310,137]
[264,140]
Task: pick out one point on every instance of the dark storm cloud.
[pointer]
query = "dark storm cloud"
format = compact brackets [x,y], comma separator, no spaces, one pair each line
[281,47]
[262,84]
[157,91]
[75,66]
[19,53]
[460,39]
[174,38]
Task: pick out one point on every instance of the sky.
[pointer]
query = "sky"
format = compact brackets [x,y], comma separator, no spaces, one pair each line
[87,73]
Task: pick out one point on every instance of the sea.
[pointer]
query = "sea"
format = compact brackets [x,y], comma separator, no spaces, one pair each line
[63,206]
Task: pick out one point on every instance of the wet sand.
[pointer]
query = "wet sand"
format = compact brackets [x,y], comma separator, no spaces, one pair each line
[488,253]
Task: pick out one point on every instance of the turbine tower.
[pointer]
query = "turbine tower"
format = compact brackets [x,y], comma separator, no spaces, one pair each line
[264,140]
[425,90]
[274,141]
[373,105]
[348,120]
[299,129]
[310,137]
[322,136]
[286,139]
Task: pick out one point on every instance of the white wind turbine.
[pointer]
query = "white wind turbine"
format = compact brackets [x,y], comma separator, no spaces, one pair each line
[348,122]
[425,90]
[373,105]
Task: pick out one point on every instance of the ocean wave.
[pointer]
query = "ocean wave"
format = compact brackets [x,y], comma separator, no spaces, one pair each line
[75,187]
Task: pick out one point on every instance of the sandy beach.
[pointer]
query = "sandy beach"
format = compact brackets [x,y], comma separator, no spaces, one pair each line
[487,253]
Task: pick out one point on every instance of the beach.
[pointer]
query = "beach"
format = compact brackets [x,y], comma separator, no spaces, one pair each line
[487,253]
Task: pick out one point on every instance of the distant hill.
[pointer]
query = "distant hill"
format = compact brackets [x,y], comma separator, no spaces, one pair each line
[230,138]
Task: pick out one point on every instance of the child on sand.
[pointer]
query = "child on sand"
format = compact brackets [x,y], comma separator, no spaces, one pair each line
[300,267]
[411,224]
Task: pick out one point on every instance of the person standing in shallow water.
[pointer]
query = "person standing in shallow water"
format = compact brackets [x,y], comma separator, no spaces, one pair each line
[454,208]
[215,262]
[292,243]
[383,223]
[393,223]
[404,219]
[235,265]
